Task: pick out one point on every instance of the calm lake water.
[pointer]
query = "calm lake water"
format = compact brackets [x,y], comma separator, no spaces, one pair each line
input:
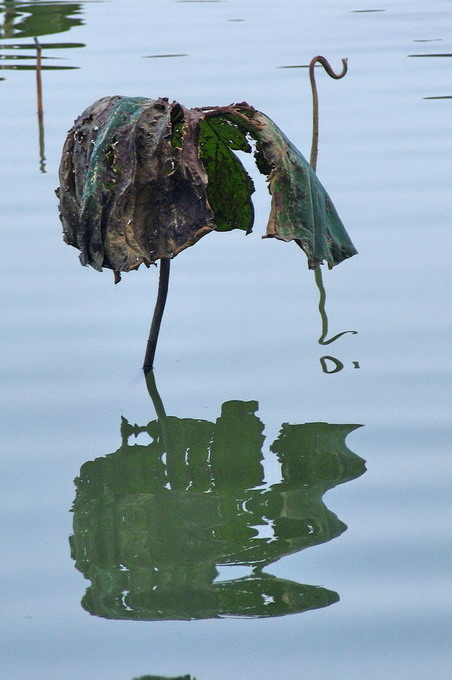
[195,540]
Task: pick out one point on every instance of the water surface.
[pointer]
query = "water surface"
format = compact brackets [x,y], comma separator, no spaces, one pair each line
[241,327]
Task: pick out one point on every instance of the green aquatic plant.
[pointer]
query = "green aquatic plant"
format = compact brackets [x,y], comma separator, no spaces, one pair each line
[141,180]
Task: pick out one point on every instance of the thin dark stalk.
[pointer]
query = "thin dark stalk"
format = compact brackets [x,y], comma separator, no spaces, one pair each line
[158,313]
[40,106]
[166,436]
[155,396]
[313,161]
[322,310]
[315,101]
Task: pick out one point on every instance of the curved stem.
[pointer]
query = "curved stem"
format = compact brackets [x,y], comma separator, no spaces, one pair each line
[162,419]
[158,313]
[155,396]
[313,162]
[322,300]
[315,101]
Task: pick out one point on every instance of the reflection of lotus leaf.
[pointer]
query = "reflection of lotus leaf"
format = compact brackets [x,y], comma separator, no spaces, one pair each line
[28,20]
[152,523]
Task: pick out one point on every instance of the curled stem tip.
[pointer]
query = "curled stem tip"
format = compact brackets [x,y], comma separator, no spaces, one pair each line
[315,101]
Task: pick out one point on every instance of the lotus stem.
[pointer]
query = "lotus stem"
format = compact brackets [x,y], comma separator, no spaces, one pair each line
[315,101]
[39,104]
[313,162]
[158,313]
[38,76]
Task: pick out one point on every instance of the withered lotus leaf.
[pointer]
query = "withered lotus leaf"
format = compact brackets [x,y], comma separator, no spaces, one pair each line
[143,179]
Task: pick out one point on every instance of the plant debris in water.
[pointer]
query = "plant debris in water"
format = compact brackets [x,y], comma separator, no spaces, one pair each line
[143,179]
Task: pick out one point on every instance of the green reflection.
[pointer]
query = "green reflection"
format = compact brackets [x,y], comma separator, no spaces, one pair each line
[164,677]
[323,315]
[29,20]
[152,522]
[328,363]
[447,54]
[32,19]
[164,56]
[20,20]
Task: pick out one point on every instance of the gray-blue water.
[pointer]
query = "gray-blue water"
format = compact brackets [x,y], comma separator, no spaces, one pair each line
[241,325]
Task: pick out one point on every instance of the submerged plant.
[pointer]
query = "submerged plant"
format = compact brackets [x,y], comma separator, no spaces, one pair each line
[142,179]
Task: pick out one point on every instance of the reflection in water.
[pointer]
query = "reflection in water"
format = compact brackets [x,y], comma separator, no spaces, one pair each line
[332,365]
[32,19]
[445,54]
[20,20]
[161,677]
[11,64]
[163,56]
[323,314]
[448,54]
[42,157]
[328,363]
[153,522]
